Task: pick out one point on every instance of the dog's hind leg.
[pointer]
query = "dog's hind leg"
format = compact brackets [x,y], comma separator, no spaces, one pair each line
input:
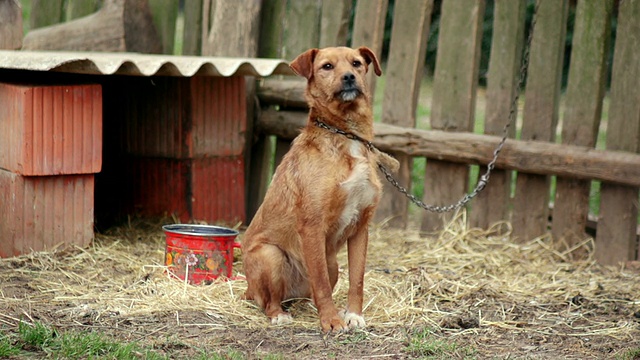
[264,267]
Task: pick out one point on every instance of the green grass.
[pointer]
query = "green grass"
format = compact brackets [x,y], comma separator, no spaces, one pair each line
[43,341]
[424,344]
[631,354]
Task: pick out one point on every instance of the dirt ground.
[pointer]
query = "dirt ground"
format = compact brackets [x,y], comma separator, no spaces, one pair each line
[475,301]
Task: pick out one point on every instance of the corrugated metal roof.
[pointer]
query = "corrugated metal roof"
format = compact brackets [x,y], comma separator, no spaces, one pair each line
[97,63]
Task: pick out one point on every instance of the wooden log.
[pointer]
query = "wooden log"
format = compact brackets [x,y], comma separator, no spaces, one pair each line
[10,25]
[368,29]
[454,99]
[535,157]
[615,240]
[165,14]
[531,202]
[585,91]
[120,25]
[409,35]
[287,93]
[493,204]
[334,23]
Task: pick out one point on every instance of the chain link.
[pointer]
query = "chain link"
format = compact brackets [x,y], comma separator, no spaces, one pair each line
[484,179]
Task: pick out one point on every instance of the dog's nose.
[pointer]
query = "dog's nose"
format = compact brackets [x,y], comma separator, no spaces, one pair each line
[348,78]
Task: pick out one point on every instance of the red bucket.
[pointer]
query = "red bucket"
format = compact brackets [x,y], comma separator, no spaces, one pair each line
[199,252]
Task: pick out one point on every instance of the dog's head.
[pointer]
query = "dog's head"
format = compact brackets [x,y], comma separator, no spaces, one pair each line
[337,73]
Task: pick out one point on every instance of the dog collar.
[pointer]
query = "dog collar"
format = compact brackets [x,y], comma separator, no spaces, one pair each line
[348,135]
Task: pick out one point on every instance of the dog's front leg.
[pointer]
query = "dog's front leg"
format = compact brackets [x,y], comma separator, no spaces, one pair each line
[314,252]
[357,255]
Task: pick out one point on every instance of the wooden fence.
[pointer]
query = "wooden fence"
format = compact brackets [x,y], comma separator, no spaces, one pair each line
[285,28]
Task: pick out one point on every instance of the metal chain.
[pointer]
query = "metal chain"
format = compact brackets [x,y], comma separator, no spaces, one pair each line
[484,179]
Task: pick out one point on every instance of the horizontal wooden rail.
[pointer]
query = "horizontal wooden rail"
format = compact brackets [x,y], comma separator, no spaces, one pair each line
[525,156]
[286,93]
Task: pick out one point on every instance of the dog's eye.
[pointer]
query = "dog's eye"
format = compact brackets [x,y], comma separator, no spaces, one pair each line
[356,63]
[327,66]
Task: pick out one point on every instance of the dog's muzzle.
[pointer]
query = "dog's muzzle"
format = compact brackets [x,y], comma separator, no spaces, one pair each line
[350,89]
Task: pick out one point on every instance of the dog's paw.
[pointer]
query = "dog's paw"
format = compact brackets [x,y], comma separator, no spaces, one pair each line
[333,324]
[281,319]
[388,161]
[352,320]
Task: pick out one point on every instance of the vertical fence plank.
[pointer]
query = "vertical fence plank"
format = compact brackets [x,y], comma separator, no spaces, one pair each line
[272,28]
[368,29]
[411,20]
[302,27]
[531,202]
[454,98]
[301,32]
[492,205]
[616,233]
[45,13]
[585,91]
[262,152]
[231,28]
[165,14]
[334,24]
[80,8]
[10,25]
[192,38]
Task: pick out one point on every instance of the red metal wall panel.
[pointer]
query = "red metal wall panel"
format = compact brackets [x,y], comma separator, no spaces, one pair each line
[184,118]
[217,190]
[219,113]
[155,116]
[159,187]
[51,130]
[41,212]
[205,189]
[183,143]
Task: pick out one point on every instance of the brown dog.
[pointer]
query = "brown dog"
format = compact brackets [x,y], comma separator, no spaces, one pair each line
[322,196]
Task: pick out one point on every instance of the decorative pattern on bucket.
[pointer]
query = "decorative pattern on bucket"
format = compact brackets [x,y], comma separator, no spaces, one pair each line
[199,252]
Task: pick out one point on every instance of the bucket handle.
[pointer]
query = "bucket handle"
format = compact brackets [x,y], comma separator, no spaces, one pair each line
[236,245]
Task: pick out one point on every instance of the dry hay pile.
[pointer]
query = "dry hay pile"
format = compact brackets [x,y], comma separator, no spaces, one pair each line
[466,283]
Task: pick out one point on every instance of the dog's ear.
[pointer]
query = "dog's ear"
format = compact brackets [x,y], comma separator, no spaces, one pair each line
[370,57]
[303,64]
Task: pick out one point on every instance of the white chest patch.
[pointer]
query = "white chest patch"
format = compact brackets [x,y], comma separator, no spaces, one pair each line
[359,188]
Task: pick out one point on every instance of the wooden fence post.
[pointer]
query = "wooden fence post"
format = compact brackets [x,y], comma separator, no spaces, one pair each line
[454,98]
[492,205]
[616,233]
[45,13]
[10,25]
[411,20]
[192,38]
[531,203]
[334,24]
[368,29]
[585,91]
[165,14]
[81,8]
[231,28]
